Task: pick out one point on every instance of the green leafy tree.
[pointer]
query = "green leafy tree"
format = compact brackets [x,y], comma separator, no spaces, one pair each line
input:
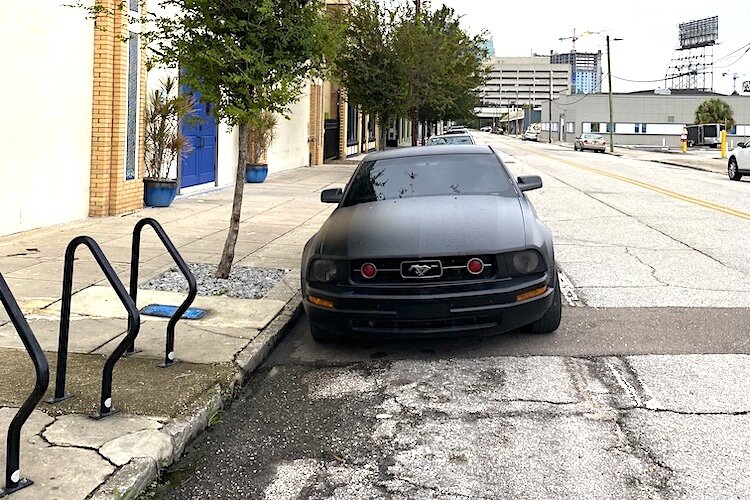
[366,64]
[715,110]
[442,64]
[246,57]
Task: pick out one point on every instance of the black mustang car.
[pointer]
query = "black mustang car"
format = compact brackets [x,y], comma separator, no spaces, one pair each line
[431,241]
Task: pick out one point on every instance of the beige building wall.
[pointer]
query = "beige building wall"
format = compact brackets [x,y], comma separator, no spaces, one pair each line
[45,135]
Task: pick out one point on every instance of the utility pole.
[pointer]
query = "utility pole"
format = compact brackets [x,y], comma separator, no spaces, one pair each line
[550,105]
[611,119]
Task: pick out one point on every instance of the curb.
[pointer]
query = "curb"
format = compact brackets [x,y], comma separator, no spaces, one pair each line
[691,167]
[133,478]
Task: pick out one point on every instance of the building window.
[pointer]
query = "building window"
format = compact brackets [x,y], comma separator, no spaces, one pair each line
[570,127]
[670,119]
[351,125]
[594,127]
[131,132]
[643,128]
[637,128]
[608,128]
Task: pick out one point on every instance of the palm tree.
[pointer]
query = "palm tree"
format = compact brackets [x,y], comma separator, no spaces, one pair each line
[715,110]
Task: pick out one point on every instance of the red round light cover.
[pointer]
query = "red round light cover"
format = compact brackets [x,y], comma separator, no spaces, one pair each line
[475,266]
[369,270]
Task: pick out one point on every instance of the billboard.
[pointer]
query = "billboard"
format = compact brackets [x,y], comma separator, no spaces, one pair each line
[746,87]
[700,33]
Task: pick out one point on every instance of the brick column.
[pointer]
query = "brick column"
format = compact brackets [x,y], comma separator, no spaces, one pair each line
[342,123]
[110,193]
[316,126]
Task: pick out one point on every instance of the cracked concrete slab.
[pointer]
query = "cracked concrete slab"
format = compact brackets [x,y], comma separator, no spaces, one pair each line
[146,443]
[706,455]
[84,432]
[703,383]
[193,343]
[101,301]
[85,335]
[36,423]
[61,472]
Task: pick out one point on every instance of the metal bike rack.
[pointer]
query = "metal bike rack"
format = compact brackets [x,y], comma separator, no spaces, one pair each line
[134,324]
[169,356]
[13,479]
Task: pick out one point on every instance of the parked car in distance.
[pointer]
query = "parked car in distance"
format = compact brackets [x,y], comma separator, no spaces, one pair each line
[591,142]
[497,130]
[457,130]
[739,161]
[531,134]
[431,241]
[488,128]
[438,140]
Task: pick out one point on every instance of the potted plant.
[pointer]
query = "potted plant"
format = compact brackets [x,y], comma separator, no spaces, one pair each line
[164,143]
[261,132]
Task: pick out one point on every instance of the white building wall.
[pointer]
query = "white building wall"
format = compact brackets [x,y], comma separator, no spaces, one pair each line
[290,149]
[45,133]
[229,148]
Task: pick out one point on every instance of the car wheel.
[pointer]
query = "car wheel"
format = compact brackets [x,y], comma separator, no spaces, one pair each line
[321,336]
[733,171]
[551,319]
[575,147]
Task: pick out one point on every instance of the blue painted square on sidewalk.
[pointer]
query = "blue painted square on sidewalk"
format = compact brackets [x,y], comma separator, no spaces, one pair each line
[164,311]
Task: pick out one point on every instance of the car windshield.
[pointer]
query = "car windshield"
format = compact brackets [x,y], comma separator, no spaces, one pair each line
[458,139]
[433,175]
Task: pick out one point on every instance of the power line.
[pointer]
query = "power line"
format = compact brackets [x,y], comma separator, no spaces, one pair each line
[585,95]
[746,46]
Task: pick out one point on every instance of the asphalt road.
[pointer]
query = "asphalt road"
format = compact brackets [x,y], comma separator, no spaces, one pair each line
[644,391]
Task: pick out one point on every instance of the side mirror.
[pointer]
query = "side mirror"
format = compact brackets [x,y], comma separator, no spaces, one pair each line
[740,144]
[529,182]
[332,195]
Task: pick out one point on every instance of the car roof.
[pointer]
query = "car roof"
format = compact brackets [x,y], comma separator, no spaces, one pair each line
[444,136]
[446,149]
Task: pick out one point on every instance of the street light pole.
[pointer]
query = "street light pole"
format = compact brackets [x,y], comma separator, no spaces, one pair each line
[611,118]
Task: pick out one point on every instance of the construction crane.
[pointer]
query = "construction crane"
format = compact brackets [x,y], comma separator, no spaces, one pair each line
[573,38]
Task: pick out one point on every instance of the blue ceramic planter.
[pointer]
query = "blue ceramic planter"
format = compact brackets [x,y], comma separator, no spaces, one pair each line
[256,173]
[159,192]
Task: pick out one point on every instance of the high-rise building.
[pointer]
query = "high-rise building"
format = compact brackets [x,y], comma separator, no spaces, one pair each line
[490,46]
[585,70]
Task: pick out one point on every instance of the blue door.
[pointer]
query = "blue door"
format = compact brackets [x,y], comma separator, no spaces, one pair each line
[199,167]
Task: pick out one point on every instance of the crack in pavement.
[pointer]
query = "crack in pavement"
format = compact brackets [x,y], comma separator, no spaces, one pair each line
[652,268]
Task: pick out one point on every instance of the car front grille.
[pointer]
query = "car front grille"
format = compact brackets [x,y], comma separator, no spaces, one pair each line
[426,326]
[405,270]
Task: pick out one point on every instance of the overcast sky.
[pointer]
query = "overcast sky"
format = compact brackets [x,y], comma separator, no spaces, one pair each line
[648,28]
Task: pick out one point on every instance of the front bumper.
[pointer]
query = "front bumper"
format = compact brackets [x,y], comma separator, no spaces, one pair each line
[447,311]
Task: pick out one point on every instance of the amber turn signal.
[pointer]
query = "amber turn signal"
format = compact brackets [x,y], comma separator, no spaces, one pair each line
[321,302]
[531,294]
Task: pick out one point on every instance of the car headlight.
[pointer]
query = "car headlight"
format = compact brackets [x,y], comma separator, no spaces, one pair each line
[524,262]
[324,270]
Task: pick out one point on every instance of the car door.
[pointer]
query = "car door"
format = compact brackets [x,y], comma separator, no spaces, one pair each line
[743,158]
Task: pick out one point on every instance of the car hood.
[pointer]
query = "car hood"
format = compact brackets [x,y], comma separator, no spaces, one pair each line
[424,226]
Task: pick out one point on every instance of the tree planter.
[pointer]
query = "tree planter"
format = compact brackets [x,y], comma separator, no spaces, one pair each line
[256,173]
[159,192]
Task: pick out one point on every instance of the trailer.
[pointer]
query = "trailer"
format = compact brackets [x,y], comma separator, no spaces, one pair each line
[705,134]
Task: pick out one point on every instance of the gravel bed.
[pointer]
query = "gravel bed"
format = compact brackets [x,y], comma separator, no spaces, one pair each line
[243,282]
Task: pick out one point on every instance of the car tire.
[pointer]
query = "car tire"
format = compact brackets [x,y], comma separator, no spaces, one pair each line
[551,319]
[733,170]
[321,336]
[575,147]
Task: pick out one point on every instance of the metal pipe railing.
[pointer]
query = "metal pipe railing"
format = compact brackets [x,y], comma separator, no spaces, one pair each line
[134,323]
[13,479]
[169,356]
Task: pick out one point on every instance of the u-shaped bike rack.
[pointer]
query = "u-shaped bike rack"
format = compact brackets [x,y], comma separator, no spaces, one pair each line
[169,356]
[134,323]
[13,479]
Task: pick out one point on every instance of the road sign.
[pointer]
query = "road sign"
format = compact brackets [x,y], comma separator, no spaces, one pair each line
[746,86]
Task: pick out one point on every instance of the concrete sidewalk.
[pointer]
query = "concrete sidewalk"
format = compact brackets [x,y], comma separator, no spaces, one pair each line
[705,160]
[67,454]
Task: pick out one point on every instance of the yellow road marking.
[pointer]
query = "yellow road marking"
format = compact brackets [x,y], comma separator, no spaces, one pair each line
[651,187]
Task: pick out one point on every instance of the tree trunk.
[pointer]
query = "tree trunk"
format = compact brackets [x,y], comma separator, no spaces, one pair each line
[415,126]
[227,256]
[383,134]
